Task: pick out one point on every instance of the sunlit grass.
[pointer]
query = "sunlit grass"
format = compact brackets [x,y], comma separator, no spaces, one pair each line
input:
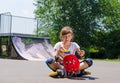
[111,60]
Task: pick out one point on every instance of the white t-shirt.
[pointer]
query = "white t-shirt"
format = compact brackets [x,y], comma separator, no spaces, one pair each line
[71,49]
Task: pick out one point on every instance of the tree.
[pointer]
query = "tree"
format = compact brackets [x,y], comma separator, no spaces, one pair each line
[92,20]
[113,45]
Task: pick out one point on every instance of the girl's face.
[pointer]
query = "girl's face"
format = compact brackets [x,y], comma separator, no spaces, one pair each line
[67,37]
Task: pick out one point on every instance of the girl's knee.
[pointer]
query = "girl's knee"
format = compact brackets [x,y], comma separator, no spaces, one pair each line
[89,61]
[49,61]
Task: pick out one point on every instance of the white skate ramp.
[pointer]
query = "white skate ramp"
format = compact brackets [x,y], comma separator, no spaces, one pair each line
[37,49]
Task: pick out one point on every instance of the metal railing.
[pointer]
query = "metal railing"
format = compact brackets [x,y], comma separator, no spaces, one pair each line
[15,24]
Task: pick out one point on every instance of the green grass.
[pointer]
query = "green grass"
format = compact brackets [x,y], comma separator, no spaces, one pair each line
[111,60]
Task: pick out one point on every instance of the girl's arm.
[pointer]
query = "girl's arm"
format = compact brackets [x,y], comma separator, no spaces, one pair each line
[81,53]
[58,55]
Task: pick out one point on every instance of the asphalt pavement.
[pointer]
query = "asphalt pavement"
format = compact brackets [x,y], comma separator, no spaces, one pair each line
[23,71]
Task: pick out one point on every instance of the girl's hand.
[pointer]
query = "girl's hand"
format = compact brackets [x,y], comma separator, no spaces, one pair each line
[82,53]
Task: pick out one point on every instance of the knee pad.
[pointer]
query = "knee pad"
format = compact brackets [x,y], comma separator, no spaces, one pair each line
[89,61]
[49,61]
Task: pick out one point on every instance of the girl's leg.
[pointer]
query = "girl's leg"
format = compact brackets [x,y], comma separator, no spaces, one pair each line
[52,64]
[85,64]
[56,67]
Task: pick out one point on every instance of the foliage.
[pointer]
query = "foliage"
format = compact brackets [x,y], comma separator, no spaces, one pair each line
[113,44]
[93,22]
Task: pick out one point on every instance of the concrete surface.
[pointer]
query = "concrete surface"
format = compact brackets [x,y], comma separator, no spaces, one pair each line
[22,71]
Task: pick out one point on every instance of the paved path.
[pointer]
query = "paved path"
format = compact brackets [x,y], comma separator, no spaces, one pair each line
[22,71]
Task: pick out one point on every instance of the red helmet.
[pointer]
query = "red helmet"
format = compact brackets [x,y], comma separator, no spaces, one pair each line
[71,63]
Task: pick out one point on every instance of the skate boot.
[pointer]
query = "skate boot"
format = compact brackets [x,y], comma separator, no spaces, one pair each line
[60,73]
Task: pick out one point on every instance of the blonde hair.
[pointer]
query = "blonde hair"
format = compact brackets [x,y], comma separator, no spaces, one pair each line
[65,30]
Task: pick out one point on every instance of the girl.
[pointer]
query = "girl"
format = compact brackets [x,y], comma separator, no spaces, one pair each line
[67,46]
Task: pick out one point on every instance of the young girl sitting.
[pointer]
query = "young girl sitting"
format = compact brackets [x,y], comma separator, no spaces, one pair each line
[66,45]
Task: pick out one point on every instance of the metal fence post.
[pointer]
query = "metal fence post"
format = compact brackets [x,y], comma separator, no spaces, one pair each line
[37,27]
[0,47]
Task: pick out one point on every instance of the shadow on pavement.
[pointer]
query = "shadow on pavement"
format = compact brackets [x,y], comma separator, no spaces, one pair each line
[78,78]
[84,78]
